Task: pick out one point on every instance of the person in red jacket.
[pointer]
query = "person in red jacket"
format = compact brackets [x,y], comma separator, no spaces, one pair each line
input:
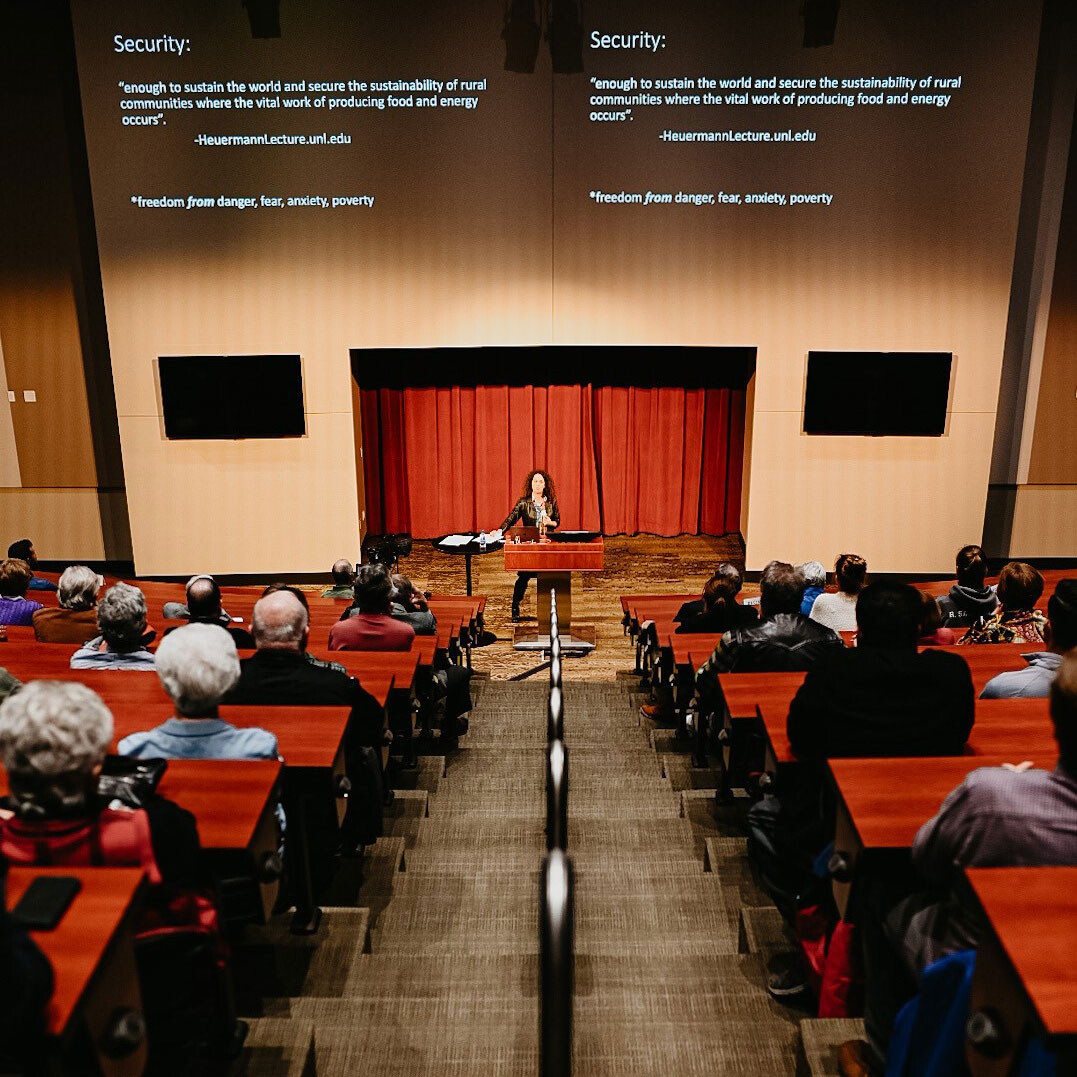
[373,628]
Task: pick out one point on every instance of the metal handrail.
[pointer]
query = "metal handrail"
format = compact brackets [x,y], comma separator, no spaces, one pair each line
[556,929]
[557,796]
[555,716]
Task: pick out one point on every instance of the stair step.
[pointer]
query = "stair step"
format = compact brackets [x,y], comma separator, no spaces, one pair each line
[276,1047]
[763,931]
[820,1039]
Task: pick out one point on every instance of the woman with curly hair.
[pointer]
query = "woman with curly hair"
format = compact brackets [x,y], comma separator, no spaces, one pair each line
[537,506]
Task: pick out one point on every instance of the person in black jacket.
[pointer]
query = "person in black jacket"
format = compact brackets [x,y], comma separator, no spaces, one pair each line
[969,599]
[537,505]
[719,610]
[881,698]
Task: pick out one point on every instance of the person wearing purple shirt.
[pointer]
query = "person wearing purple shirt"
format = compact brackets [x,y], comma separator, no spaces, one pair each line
[15,607]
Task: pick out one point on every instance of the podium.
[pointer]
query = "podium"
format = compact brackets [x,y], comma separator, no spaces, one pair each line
[553,562]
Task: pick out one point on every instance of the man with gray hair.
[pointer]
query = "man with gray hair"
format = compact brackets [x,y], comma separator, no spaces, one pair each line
[343,580]
[198,665]
[75,621]
[121,620]
[278,672]
[182,611]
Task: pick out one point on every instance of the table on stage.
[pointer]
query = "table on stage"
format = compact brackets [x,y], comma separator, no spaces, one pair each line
[554,562]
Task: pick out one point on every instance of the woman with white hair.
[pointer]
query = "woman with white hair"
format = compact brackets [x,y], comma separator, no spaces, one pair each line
[812,577]
[121,620]
[53,740]
[75,621]
[198,665]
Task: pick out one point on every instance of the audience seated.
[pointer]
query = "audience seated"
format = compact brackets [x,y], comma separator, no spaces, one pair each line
[838,610]
[694,606]
[880,698]
[9,684]
[1016,620]
[721,611]
[75,621]
[372,628]
[204,607]
[278,672]
[343,579]
[1060,635]
[997,817]
[784,639]
[23,550]
[932,634]
[321,663]
[198,665]
[409,605]
[181,611]
[15,607]
[969,599]
[53,740]
[812,577]
[121,620]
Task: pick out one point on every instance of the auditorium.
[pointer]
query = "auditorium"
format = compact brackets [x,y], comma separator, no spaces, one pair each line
[539,538]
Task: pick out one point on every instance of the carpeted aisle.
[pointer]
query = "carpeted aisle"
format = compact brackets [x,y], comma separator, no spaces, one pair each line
[449,986]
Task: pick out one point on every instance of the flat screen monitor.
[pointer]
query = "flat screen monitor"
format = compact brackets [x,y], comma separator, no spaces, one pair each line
[232,396]
[877,394]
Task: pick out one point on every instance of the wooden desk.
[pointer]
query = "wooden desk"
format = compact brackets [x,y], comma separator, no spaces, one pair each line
[1025,973]
[92,955]
[554,562]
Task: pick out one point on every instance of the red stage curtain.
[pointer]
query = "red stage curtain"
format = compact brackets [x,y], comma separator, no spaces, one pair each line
[624,460]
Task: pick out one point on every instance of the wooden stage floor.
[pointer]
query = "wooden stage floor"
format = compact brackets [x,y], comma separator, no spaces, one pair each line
[638,564]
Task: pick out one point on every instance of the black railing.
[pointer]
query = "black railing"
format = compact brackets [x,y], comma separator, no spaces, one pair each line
[556,898]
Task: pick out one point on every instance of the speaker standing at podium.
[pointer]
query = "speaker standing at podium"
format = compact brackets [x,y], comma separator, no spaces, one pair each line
[537,507]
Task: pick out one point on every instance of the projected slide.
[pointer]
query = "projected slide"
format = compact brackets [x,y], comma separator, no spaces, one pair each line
[553,159]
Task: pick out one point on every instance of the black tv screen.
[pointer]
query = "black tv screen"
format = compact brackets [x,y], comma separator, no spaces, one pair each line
[232,396]
[877,394]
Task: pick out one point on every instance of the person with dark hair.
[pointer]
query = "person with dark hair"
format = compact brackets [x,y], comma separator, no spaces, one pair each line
[536,507]
[784,639]
[838,610]
[372,628]
[1060,636]
[880,698]
[23,550]
[970,598]
[1008,816]
[409,605]
[721,611]
[932,634]
[1016,620]
[204,608]
[343,580]
[15,607]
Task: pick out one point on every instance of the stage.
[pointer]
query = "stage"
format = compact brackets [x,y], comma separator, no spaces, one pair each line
[642,563]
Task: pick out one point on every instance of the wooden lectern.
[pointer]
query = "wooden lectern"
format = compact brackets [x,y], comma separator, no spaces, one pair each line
[554,562]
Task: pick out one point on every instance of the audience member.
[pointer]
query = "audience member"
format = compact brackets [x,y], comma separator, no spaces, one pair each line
[198,665]
[970,598]
[321,663]
[372,628]
[75,621]
[204,607]
[784,639]
[181,611]
[880,698]
[997,817]
[53,740]
[932,634]
[812,577]
[1016,620]
[121,621]
[9,684]
[694,606]
[23,550]
[409,605]
[278,672]
[15,607]
[838,610]
[721,611]
[1060,635]
[343,579]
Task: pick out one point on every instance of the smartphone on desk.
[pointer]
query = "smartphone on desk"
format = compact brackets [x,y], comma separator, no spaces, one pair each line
[44,901]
